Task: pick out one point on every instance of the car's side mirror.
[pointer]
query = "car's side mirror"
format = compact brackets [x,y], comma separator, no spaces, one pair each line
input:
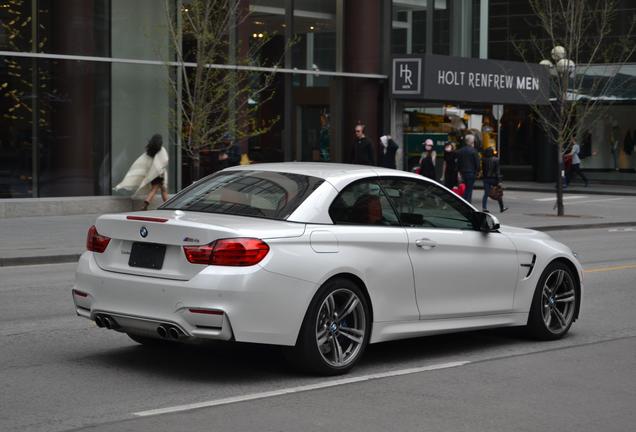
[485,222]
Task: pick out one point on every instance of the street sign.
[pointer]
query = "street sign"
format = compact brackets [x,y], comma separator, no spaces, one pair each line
[497,111]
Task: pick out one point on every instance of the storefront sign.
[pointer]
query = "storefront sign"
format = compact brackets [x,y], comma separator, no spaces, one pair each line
[459,79]
[407,76]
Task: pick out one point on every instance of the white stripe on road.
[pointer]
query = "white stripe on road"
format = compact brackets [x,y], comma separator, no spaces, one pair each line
[569,197]
[600,200]
[291,390]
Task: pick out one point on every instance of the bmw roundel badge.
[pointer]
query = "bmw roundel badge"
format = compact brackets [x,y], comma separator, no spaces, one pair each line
[143,232]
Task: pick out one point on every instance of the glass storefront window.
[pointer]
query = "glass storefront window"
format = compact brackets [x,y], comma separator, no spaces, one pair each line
[17,96]
[315,43]
[264,31]
[141,106]
[61,22]
[409,27]
[54,130]
[16,25]
[441,28]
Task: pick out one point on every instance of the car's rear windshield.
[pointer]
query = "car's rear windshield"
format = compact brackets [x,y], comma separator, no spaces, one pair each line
[264,194]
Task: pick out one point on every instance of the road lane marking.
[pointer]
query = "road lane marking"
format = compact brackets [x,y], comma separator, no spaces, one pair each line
[611,268]
[600,200]
[299,389]
[566,198]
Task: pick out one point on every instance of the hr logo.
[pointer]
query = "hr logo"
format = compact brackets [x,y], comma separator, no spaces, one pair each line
[405,74]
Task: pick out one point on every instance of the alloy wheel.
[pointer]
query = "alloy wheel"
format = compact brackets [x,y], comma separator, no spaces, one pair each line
[340,327]
[558,301]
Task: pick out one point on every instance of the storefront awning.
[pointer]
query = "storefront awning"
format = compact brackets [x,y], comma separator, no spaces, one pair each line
[458,79]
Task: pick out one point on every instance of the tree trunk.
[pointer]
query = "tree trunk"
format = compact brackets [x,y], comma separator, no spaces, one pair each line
[196,168]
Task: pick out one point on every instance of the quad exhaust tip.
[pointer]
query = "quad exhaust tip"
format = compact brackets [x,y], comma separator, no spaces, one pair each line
[99,322]
[169,332]
[107,323]
[174,332]
[104,321]
[162,331]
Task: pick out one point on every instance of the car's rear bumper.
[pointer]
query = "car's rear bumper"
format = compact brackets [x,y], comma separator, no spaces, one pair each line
[247,304]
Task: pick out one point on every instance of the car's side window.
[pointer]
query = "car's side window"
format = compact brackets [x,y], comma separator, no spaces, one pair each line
[363,203]
[424,204]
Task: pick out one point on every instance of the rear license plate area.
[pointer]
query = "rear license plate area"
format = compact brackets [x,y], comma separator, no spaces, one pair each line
[147,255]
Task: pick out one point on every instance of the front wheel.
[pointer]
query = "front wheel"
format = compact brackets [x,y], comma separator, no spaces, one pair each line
[336,329]
[555,303]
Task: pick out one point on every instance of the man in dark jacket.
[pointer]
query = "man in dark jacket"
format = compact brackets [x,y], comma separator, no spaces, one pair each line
[362,148]
[468,165]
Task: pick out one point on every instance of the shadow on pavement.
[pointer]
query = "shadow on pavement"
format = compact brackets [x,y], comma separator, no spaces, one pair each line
[236,363]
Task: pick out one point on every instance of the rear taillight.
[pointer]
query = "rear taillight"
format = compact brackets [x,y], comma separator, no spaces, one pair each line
[95,242]
[228,252]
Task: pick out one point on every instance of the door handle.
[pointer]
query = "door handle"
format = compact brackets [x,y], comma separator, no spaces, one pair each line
[425,243]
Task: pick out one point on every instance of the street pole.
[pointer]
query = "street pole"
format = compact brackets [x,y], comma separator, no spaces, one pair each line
[561,69]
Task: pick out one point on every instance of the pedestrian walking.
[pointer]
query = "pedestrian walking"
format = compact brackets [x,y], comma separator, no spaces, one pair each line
[231,156]
[362,148]
[387,152]
[492,179]
[427,160]
[449,167]
[468,165]
[148,172]
[575,167]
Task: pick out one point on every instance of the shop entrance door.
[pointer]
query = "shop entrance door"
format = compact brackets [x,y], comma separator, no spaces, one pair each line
[412,123]
[313,143]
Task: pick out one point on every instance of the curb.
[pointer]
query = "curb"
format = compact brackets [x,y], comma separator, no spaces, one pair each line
[35,260]
[565,192]
[583,226]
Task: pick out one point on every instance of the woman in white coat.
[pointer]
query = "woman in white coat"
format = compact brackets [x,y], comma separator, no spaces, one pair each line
[148,172]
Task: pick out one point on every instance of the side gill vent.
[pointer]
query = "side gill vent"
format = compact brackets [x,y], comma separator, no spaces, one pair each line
[530,266]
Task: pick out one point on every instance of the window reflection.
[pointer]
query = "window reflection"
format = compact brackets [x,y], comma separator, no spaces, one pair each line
[15,25]
[410,26]
[315,44]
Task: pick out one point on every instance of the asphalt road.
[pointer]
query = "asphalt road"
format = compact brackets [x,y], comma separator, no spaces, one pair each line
[59,372]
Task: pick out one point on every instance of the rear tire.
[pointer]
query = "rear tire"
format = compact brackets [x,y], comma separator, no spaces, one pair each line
[335,331]
[555,303]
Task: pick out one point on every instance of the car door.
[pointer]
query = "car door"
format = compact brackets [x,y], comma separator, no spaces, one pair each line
[459,271]
[371,243]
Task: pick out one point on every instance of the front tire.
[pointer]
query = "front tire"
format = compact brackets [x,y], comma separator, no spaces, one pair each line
[555,302]
[336,329]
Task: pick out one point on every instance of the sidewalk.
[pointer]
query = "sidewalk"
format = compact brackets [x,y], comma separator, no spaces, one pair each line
[54,239]
[576,187]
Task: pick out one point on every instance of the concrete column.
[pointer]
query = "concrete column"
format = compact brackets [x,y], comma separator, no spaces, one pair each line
[362,29]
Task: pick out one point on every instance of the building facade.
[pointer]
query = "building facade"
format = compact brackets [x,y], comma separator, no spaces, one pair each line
[84,84]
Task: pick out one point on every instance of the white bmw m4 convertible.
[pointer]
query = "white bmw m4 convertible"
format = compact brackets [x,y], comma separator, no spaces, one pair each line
[323,259]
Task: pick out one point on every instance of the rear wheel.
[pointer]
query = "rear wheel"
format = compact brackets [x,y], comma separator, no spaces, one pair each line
[336,329]
[555,302]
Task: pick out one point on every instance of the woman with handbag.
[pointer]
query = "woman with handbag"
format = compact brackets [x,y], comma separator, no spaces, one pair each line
[492,186]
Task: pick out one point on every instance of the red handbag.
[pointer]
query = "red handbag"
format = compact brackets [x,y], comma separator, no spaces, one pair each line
[459,190]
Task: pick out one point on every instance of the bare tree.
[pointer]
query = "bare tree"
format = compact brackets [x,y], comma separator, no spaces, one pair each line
[221,83]
[579,38]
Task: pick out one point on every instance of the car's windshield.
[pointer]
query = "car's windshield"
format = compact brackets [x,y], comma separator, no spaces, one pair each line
[265,194]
